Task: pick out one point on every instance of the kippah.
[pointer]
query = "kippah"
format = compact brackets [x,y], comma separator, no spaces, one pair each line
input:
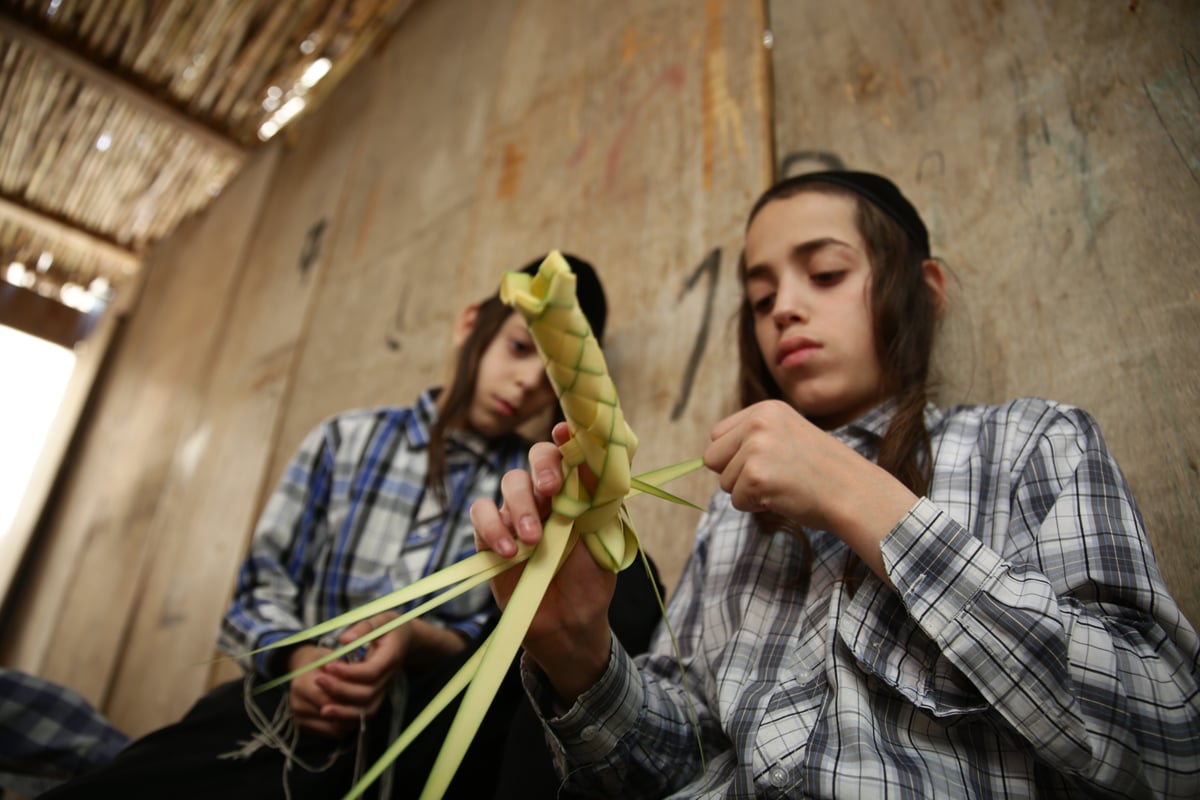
[881,192]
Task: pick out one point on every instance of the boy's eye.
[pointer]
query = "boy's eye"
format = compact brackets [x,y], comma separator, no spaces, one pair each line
[763,304]
[828,278]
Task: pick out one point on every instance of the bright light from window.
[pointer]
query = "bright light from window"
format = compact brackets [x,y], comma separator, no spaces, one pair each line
[37,374]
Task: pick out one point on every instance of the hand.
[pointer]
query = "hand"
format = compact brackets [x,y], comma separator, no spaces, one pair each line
[332,700]
[770,458]
[569,636]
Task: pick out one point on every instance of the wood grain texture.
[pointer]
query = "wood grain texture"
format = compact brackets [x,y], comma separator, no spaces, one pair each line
[211,498]
[82,588]
[541,126]
[1053,151]
[329,277]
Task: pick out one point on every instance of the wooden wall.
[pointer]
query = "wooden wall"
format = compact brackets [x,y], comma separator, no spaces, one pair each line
[1053,150]
[482,135]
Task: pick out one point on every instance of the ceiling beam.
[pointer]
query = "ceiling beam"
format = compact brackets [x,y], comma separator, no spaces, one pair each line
[119,87]
[53,229]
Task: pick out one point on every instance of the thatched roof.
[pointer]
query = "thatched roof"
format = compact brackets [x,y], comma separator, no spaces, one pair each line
[118,118]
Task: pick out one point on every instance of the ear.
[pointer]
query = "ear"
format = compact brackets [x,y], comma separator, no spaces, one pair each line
[935,279]
[466,324]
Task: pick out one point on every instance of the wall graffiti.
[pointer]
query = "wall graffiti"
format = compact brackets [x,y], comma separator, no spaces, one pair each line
[312,244]
[392,338]
[709,270]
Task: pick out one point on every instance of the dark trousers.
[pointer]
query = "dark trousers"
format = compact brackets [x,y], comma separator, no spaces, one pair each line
[508,759]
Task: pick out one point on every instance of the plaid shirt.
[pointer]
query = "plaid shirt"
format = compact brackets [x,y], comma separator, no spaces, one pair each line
[1030,649]
[351,520]
[49,733]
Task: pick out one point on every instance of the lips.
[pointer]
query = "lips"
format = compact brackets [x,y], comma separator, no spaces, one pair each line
[505,408]
[795,350]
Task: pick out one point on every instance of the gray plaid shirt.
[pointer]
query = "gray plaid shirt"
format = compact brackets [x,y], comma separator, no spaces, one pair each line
[1031,648]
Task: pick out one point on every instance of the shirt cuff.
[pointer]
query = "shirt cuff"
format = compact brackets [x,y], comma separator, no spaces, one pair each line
[937,566]
[590,729]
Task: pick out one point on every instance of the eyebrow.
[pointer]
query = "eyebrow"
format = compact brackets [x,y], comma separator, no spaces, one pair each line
[798,253]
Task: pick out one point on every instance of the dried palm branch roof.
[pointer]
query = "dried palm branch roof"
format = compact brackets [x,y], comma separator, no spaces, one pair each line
[120,118]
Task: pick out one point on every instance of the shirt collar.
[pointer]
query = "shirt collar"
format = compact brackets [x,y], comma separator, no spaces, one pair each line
[865,433]
[420,421]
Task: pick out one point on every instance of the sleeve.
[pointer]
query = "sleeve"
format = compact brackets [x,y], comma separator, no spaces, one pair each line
[1070,634]
[268,598]
[49,732]
[644,730]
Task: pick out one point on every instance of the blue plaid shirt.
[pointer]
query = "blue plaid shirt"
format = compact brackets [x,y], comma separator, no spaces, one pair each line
[49,733]
[351,520]
[1030,648]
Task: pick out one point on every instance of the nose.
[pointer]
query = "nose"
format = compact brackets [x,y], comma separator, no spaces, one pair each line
[791,304]
[530,374]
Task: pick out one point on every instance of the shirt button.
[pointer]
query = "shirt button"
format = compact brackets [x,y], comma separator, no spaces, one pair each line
[779,777]
[588,733]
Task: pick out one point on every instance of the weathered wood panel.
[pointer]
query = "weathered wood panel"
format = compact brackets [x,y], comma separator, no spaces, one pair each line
[1054,151]
[71,619]
[632,134]
[211,498]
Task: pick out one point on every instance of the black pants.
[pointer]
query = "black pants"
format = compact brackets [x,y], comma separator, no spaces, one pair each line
[508,759]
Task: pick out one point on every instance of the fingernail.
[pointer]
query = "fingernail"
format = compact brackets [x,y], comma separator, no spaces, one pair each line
[528,525]
[544,479]
[506,547]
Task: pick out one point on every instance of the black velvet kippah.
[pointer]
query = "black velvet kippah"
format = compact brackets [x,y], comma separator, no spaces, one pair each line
[882,193]
[587,288]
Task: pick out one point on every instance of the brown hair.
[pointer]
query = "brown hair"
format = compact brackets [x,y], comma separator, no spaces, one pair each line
[904,317]
[455,404]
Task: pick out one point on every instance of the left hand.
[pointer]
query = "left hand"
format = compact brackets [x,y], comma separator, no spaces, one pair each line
[357,688]
[770,458]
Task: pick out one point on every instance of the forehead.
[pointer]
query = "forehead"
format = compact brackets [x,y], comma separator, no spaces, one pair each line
[514,322]
[786,223]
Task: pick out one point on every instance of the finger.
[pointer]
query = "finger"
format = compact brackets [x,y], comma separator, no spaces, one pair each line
[344,716]
[545,464]
[524,509]
[356,631]
[491,531]
[372,669]
[722,450]
[560,434]
[727,424]
[346,692]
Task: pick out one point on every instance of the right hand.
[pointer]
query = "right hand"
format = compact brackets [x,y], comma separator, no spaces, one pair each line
[569,636]
[332,700]
[308,697]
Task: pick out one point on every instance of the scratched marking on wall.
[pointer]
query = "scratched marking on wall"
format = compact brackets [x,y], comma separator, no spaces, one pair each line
[510,172]
[311,249]
[673,77]
[709,268]
[720,112]
[392,338]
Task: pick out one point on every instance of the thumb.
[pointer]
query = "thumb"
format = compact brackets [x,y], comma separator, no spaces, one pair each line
[357,631]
